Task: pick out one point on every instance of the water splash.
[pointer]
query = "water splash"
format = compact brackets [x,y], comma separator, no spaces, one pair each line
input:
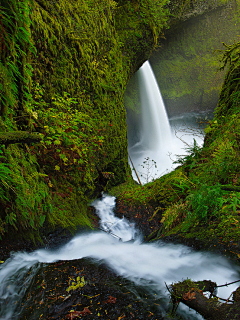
[149,265]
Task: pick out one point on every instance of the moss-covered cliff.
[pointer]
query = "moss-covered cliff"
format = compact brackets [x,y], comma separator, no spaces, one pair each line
[187,63]
[64,68]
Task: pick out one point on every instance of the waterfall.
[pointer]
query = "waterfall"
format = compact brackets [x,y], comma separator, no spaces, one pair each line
[159,144]
[148,265]
[156,131]
[150,154]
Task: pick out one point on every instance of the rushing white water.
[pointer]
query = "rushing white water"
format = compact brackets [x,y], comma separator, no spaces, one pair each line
[150,265]
[159,141]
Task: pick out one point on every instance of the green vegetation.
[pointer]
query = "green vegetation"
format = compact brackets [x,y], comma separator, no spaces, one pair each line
[201,198]
[187,62]
[64,66]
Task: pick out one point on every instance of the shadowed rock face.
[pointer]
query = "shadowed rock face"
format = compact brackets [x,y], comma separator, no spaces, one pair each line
[186,65]
[184,9]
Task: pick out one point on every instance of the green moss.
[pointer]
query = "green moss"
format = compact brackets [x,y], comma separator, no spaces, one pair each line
[64,70]
[160,193]
[187,63]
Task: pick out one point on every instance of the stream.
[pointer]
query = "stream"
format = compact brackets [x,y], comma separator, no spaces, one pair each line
[148,265]
[119,245]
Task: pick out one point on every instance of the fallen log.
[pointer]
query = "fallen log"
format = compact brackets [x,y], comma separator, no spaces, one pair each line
[7,138]
[191,294]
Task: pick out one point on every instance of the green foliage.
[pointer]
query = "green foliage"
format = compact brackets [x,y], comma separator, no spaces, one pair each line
[232,203]
[229,95]
[24,195]
[192,157]
[206,202]
[64,66]
[173,216]
[163,192]
[139,23]
[5,179]
[32,201]
[155,14]
[69,134]
[16,45]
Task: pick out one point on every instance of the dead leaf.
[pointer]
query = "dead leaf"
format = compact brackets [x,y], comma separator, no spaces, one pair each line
[85,311]
[110,300]
[190,295]
[74,314]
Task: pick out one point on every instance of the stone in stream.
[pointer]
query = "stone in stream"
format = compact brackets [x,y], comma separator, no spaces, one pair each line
[81,288]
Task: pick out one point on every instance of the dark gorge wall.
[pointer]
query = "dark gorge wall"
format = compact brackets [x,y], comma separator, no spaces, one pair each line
[187,62]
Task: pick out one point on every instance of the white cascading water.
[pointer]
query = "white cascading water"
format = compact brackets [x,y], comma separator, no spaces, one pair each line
[158,142]
[145,264]
[156,130]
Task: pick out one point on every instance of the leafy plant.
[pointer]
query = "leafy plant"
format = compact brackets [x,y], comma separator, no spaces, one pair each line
[173,216]
[206,202]
[70,135]
[232,203]
[193,155]
[16,43]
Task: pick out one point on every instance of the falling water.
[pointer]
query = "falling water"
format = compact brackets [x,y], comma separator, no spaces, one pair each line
[156,131]
[148,265]
[158,143]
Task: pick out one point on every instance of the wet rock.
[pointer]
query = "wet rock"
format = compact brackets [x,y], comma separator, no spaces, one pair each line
[81,288]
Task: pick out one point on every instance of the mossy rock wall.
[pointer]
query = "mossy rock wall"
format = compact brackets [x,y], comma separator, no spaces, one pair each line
[187,62]
[64,68]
